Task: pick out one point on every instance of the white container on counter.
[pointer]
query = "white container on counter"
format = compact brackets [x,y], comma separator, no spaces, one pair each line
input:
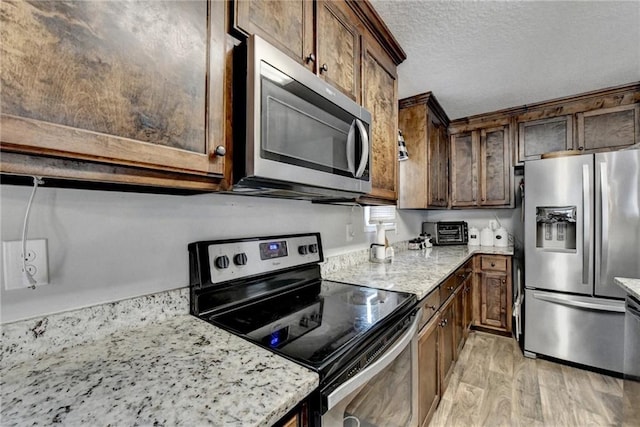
[486,237]
[501,238]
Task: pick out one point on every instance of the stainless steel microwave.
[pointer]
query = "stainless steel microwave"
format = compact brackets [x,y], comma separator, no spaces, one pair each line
[303,138]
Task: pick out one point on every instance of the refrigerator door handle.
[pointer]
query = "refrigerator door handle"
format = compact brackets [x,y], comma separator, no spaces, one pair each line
[604,220]
[611,306]
[587,277]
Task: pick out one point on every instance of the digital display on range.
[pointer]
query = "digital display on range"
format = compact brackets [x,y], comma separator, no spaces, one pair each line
[269,250]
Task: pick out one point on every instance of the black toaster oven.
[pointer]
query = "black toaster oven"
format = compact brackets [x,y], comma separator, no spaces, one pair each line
[446,232]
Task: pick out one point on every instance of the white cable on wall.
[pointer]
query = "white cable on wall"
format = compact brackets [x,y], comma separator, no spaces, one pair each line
[28,279]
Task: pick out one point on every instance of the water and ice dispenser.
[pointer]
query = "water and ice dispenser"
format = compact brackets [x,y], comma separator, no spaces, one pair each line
[556,228]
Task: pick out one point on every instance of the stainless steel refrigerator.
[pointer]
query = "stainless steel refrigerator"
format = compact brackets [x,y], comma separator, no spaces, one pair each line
[582,229]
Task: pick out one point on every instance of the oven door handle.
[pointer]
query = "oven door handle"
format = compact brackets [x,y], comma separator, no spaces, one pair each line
[372,370]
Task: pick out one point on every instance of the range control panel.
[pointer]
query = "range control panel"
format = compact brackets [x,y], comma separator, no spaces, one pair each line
[236,259]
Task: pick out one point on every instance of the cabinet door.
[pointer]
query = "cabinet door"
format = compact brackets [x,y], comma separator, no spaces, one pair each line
[609,127]
[288,25]
[447,349]
[468,304]
[539,137]
[87,81]
[459,319]
[493,300]
[464,169]
[437,165]
[414,172]
[339,47]
[495,167]
[428,373]
[443,162]
[381,99]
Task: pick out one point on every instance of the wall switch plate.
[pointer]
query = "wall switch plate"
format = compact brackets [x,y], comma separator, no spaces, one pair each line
[37,263]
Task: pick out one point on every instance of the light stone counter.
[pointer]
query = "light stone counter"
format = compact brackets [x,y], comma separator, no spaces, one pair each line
[417,272]
[178,371]
[631,286]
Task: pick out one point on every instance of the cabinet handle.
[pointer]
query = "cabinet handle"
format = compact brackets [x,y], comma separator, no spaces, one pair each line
[221,150]
[310,58]
[324,68]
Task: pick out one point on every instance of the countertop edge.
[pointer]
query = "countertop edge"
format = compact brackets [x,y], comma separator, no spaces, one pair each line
[630,285]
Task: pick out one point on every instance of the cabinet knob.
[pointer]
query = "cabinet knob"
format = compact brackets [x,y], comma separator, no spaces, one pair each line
[580,148]
[324,68]
[221,150]
[450,288]
[432,307]
[504,281]
[310,58]
[493,264]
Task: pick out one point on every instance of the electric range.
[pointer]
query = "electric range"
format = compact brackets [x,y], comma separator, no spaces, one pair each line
[269,290]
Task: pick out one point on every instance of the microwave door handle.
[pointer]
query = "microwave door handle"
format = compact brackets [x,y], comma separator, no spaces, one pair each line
[364,158]
[351,153]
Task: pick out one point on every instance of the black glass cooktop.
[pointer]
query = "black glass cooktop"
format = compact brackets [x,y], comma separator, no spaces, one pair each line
[315,322]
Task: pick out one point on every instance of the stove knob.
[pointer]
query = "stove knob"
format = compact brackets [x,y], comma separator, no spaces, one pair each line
[302,250]
[313,248]
[240,259]
[222,262]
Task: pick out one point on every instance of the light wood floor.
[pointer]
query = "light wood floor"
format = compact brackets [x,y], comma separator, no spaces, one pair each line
[494,385]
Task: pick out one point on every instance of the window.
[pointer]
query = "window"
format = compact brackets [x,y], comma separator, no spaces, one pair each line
[374,214]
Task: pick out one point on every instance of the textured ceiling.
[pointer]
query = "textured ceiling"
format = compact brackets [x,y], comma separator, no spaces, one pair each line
[483,56]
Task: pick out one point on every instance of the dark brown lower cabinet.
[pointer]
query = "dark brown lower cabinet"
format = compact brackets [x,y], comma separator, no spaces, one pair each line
[447,342]
[467,290]
[459,320]
[428,371]
[494,301]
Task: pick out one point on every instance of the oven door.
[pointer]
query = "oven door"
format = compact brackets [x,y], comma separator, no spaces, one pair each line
[302,129]
[385,393]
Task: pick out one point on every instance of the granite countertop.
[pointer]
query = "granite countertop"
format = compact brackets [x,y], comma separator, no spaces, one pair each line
[631,286]
[85,368]
[417,272]
[180,371]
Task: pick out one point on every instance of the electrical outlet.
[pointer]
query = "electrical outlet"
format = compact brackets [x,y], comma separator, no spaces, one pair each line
[37,263]
[350,232]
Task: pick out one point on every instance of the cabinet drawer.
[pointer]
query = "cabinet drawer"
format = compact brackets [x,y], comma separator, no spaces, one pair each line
[429,305]
[493,263]
[448,287]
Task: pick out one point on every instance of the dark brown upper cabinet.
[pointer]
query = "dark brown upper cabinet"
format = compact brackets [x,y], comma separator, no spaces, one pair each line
[424,177]
[380,96]
[118,91]
[538,137]
[327,42]
[481,168]
[609,128]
